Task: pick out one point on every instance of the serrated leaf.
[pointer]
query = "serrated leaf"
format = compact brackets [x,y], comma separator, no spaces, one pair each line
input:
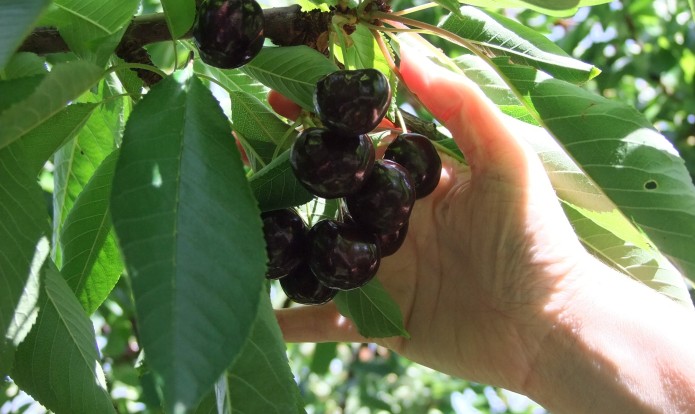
[275,186]
[191,236]
[92,262]
[261,370]
[373,311]
[23,249]
[63,84]
[16,21]
[58,363]
[179,15]
[261,129]
[637,168]
[75,163]
[293,71]
[233,80]
[92,28]
[363,52]
[500,36]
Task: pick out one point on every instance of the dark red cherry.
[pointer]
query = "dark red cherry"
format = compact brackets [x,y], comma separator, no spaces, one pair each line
[331,165]
[285,239]
[384,202]
[342,256]
[228,33]
[302,287]
[391,242]
[352,101]
[417,154]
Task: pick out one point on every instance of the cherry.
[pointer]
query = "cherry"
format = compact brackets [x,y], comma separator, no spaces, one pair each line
[283,105]
[352,101]
[384,202]
[416,153]
[285,238]
[342,256]
[331,165]
[391,242]
[302,287]
[228,33]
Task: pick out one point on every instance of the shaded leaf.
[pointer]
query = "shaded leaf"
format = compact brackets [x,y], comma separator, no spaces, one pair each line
[191,236]
[23,249]
[23,64]
[179,15]
[260,380]
[91,260]
[16,21]
[275,186]
[63,84]
[58,363]
[293,71]
[261,129]
[501,36]
[373,311]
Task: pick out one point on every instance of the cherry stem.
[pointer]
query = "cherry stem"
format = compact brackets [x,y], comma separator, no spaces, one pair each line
[385,51]
[123,66]
[285,136]
[401,121]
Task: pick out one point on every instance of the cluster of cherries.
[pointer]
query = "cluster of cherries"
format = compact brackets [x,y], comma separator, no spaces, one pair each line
[338,161]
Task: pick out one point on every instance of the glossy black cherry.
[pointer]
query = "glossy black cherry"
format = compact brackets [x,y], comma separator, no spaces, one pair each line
[228,33]
[418,155]
[342,256]
[331,165]
[391,242]
[352,101]
[302,287]
[285,239]
[384,202]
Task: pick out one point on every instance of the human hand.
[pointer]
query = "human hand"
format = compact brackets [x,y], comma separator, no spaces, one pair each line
[487,255]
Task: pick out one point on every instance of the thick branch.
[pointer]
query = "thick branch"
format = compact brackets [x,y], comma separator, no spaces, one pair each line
[284,26]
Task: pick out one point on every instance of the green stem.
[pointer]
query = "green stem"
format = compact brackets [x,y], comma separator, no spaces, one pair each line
[285,136]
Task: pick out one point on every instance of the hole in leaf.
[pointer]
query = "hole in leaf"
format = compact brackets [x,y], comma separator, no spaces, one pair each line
[650,185]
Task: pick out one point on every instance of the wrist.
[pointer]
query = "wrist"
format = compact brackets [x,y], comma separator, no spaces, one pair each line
[614,345]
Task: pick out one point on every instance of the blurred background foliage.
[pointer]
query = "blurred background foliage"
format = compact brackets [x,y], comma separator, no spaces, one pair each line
[645,49]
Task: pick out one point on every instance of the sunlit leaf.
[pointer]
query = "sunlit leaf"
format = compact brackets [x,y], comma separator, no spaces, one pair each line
[58,363]
[179,15]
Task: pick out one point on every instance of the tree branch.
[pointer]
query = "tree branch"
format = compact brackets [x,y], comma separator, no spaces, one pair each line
[284,26]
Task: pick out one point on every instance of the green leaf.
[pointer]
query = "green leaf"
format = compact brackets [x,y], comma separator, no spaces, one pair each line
[562,8]
[324,353]
[58,363]
[260,380]
[232,80]
[637,168]
[16,21]
[92,262]
[63,84]
[92,28]
[597,220]
[23,64]
[260,128]
[364,52]
[293,71]
[179,15]
[43,141]
[23,249]
[642,262]
[75,163]
[373,311]
[500,36]
[191,236]
[275,186]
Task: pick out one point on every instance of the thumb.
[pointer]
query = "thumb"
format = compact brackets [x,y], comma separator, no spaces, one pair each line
[477,125]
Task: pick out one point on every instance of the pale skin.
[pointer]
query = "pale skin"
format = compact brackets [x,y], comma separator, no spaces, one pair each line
[495,287]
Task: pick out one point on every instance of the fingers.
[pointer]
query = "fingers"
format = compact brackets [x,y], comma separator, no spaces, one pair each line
[316,324]
[476,124]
